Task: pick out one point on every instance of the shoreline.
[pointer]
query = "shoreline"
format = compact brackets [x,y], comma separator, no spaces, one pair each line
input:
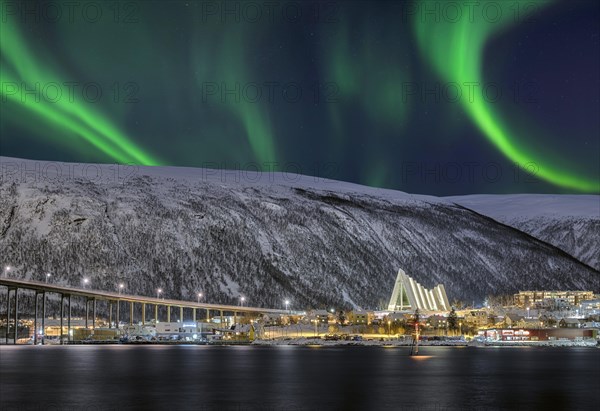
[315,342]
[389,344]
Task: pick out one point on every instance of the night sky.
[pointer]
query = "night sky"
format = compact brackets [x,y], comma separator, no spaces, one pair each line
[438,98]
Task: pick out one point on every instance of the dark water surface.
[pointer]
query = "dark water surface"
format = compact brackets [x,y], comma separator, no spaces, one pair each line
[297,378]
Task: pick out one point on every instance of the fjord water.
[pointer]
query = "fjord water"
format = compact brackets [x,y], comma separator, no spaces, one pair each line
[297,378]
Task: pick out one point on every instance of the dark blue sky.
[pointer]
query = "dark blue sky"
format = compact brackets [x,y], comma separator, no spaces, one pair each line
[343,90]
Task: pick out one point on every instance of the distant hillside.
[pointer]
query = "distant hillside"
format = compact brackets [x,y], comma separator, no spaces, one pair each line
[569,222]
[267,237]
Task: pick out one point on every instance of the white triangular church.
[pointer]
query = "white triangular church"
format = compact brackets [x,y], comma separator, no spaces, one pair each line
[410,295]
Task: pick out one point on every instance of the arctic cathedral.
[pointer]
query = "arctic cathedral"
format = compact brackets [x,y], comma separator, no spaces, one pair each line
[410,295]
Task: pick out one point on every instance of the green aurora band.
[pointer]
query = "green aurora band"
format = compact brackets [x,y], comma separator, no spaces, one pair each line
[21,68]
[219,58]
[455,49]
[368,78]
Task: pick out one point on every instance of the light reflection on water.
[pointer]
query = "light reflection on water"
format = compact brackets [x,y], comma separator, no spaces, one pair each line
[297,378]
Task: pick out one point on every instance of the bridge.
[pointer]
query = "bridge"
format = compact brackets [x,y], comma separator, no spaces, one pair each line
[91,298]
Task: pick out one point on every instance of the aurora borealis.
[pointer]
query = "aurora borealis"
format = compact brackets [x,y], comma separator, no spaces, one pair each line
[357,91]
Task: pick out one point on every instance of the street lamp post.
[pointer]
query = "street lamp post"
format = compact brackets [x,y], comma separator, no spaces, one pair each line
[6,270]
[287,304]
[158,293]
[199,297]
[242,299]
[48,275]
[121,286]
[85,282]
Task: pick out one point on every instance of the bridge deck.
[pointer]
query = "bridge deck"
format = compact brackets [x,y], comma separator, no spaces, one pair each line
[106,295]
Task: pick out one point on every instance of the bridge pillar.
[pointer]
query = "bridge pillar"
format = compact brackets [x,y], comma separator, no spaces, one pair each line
[194,315]
[118,314]
[181,314]
[35,318]
[94,314]
[7,312]
[87,311]
[235,317]
[62,315]
[155,313]
[207,315]
[43,318]
[168,313]
[16,313]
[131,313]
[69,320]
[109,314]
[143,313]
[221,313]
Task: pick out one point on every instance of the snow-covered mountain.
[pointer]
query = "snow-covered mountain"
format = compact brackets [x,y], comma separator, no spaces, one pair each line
[268,237]
[569,222]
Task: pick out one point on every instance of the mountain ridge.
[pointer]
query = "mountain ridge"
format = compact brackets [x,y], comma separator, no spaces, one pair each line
[328,245]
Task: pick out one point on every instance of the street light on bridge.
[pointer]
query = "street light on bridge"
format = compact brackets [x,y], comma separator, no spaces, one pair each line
[6,270]
[85,282]
[242,299]
[199,297]
[48,275]
[287,304]
[158,292]
[121,286]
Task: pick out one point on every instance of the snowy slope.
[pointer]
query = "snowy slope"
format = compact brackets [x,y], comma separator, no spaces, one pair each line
[268,237]
[570,222]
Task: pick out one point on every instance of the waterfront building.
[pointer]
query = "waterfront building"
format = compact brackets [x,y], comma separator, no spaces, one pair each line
[437,321]
[177,329]
[569,323]
[551,299]
[542,334]
[356,317]
[322,316]
[476,318]
[512,320]
[591,306]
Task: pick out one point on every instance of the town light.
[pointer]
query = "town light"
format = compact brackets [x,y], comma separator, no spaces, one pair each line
[287,304]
